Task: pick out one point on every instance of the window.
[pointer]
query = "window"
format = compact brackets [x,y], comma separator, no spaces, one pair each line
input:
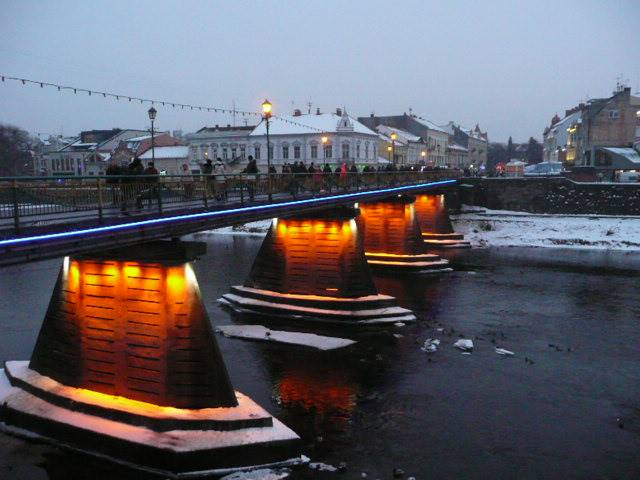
[358,151]
[327,151]
[296,151]
[613,114]
[314,151]
[270,151]
[242,152]
[366,150]
[225,154]
[345,150]
[234,152]
[285,152]
[256,152]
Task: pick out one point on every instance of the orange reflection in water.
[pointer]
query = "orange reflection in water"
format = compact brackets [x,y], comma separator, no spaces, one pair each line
[135,330]
[324,392]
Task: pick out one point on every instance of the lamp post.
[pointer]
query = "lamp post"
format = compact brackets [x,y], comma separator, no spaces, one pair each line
[266,114]
[394,136]
[152,116]
[324,139]
[389,150]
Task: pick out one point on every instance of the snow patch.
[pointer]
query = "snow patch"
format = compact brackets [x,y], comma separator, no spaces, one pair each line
[322,467]
[261,333]
[464,344]
[430,345]
[502,351]
[259,474]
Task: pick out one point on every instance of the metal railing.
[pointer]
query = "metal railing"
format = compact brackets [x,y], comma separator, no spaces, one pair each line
[39,201]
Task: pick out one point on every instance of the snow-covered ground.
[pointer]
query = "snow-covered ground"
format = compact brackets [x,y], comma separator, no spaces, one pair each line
[503,228]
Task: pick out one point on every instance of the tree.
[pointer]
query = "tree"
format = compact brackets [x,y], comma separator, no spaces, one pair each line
[496,153]
[534,151]
[16,157]
[510,149]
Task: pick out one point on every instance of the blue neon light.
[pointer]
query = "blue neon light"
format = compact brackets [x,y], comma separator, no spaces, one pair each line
[191,216]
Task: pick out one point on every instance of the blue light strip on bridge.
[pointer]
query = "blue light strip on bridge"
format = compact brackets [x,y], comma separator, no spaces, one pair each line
[217,213]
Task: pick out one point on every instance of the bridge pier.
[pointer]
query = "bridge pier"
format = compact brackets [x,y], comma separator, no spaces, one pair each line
[392,238]
[313,268]
[126,366]
[434,221]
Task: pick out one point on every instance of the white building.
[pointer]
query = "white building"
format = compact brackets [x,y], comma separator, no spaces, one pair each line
[168,160]
[229,143]
[300,138]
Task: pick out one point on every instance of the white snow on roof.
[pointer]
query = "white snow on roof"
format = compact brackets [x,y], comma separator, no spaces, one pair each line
[629,153]
[455,146]
[306,124]
[138,139]
[386,130]
[429,124]
[176,151]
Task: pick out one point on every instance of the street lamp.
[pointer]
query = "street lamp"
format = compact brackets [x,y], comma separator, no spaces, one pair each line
[394,137]
[325,140]
[152,116]
[266,114]
[389,150]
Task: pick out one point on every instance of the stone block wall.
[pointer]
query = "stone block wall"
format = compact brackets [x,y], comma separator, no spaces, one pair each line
[551,195]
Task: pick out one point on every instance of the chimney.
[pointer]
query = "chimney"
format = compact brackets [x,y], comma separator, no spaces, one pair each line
[228,125]
[217,126]
[339,112]
[318,111]
[371,115]
[297,112]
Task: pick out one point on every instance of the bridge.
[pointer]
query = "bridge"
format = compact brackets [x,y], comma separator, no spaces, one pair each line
[47,217]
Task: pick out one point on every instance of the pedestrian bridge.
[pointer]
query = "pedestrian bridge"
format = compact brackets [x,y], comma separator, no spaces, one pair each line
[45,217]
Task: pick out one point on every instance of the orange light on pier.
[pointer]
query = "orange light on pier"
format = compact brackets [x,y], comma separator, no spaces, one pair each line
[134,330]
[310,257]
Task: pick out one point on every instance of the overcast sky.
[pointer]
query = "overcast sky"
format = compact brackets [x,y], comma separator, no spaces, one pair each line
[508,65]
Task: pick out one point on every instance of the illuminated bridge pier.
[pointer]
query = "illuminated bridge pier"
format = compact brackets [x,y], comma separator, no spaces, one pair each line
[392,238]
[434,221]
[126,367]
[313,268]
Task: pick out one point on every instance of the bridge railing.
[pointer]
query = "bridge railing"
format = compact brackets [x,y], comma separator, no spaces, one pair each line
[38,201]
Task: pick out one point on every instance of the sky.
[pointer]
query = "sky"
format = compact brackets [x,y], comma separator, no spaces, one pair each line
[507,65]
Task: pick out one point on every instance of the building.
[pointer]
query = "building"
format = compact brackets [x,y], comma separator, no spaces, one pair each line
[42,158]
[229,143]
[406,148]
[330,138]
[474,140]
[458,156]
[599,134]
[88,154]
[133,147]
[435,138]
[168,160]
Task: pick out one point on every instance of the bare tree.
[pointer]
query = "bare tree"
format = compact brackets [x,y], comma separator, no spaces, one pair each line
[16,157]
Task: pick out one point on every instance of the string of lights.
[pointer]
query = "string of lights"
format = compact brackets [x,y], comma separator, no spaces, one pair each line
[164,103]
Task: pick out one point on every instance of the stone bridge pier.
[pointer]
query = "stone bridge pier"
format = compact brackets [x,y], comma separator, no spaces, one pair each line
[126,366]
[392,237]
[433,217]
[313,268]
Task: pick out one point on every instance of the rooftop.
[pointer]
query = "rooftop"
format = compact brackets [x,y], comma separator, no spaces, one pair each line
[166,152]
[306,124]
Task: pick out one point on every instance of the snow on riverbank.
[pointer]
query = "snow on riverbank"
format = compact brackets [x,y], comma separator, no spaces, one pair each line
[258,229]
[502,228]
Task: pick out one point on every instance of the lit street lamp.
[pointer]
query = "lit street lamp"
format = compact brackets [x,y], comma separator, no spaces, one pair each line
[324,139]
[394,137]
[152,116]
[389,150]
[266,114]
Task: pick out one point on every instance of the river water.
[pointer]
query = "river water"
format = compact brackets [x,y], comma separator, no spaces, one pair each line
[571,410]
